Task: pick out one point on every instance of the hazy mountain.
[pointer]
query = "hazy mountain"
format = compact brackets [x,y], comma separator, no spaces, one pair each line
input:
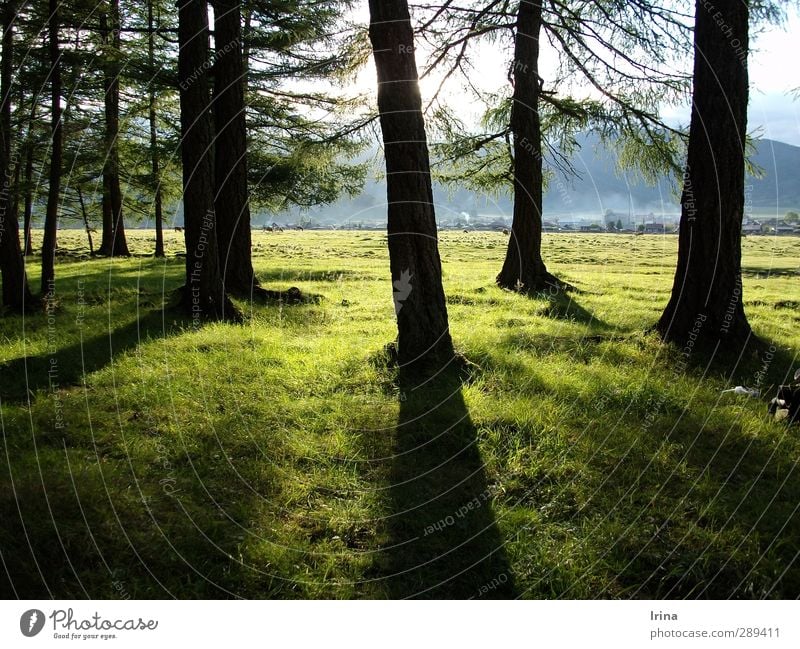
[597,188]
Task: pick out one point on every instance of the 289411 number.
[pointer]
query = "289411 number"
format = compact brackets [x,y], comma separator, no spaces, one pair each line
[757,632]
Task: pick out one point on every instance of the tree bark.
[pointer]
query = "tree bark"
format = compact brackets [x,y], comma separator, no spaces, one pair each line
[154,159]
[523,269]
[422,325]
[204,294]
[56,153]
[16,294]
[86,226]
[28,180]
[706,301]
[114,242]
[20,145]
[246,32]
[231,201]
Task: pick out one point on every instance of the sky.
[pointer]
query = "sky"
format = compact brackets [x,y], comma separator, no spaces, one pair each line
[774,68]
[774,72]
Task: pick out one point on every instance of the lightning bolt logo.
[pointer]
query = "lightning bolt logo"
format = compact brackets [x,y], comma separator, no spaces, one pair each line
[31,622]
[402,289]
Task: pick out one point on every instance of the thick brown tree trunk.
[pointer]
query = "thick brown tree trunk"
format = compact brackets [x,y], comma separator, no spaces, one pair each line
[231,202]
[114,242]
[204,294]
[523,269]
[706,301]
[154,157]
[423,330]
[16,294]
[56,153]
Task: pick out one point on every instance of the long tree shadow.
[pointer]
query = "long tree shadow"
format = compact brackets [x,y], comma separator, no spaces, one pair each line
[563,306]
[757,272]
[66,366]
[751,489]
[443,538]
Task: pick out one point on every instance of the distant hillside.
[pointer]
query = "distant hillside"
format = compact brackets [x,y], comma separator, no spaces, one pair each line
[597,188]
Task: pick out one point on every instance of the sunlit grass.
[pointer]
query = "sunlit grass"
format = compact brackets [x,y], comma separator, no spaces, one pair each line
[261,460]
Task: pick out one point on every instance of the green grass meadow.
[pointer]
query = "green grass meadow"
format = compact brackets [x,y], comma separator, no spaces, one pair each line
[144,457]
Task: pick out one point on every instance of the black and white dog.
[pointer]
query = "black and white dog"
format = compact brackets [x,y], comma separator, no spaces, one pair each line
[788,400]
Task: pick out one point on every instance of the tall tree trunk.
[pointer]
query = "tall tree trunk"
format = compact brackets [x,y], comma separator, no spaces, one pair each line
[706,300]
[54,190]
[19,136]
[204,293]
[107,236]
[423,330]
[523,269]
[86,226]
[16,293]
[151,113]
[28,178]
[27,181]
[248,21]
[231,202]
[114,242]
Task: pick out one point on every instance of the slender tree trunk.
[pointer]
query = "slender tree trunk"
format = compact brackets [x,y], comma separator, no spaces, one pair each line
[27,189]
[120,247]
[20,147]
[86,224]
[28,179]
[204,293]
[231,202]
[151,112]
[54,190]
[706,303]
[15,192]
[423,330]
[16,293]
[107,237]
[523,269]
[114,241]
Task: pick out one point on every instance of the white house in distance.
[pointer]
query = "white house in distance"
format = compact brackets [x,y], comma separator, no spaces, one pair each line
[783,228]
[751,227]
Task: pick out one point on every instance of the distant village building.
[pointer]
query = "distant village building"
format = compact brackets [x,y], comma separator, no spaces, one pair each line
[784,228]
[570,225]
[617,218]
[751,227]
[649,223]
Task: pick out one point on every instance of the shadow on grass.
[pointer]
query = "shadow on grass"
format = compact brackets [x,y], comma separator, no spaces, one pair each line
[760,363]
[750,503]
[765,273]
[717,495]
[755,489]
[68,365]
[443,538]
[288,275]
[691,496]
[78,524]
[563,306]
